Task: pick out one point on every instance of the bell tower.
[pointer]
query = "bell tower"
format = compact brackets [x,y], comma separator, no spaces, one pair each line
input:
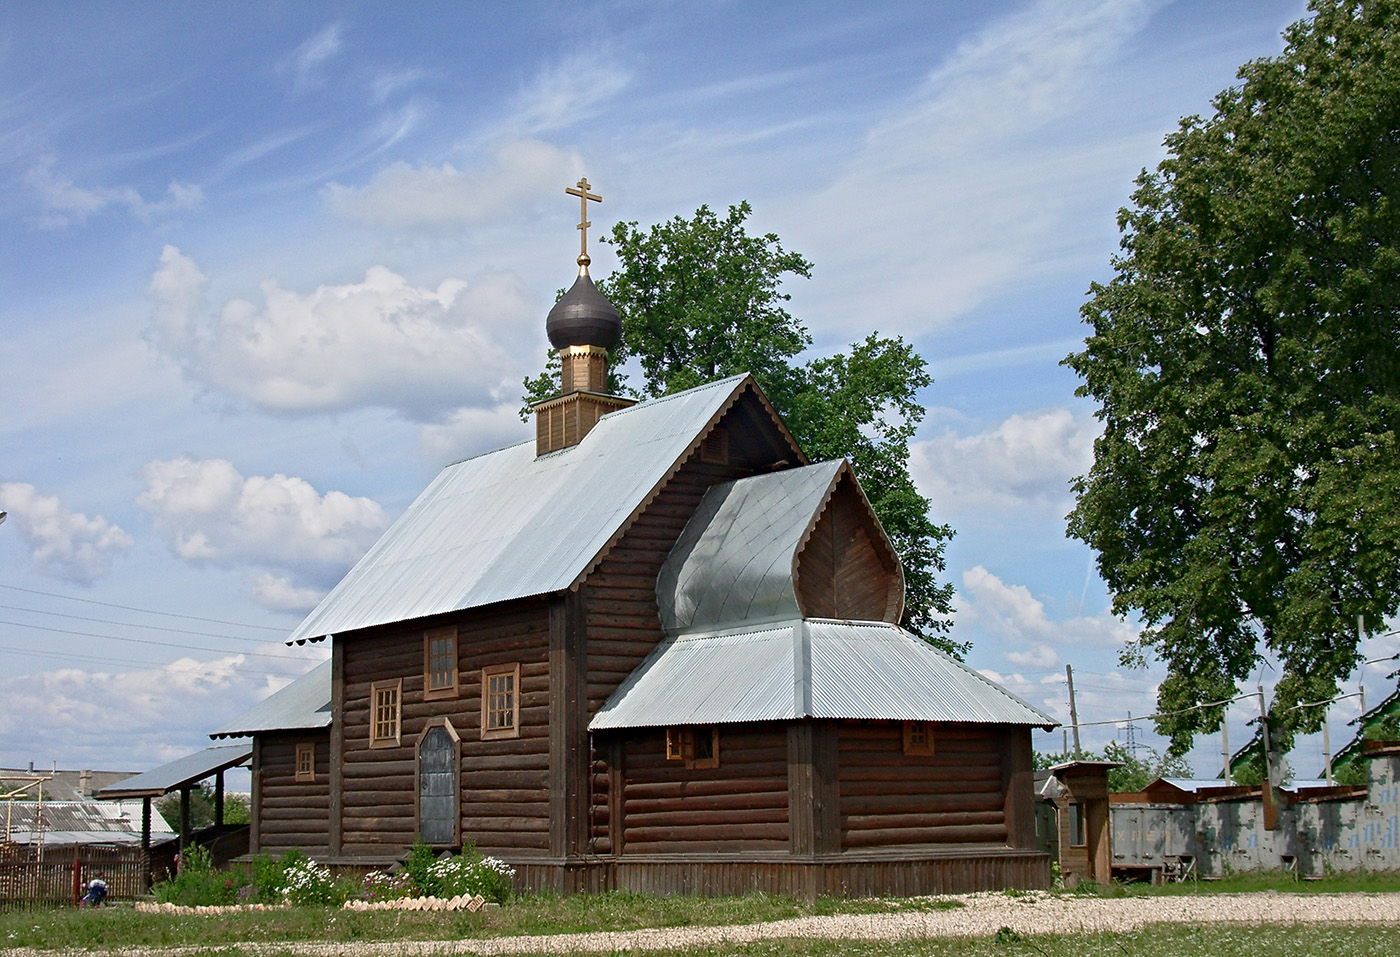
[582,326]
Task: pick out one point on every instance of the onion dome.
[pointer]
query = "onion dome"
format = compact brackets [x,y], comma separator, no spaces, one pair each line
[584,317]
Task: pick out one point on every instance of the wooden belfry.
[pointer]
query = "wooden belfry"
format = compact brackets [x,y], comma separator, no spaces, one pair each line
[582,326]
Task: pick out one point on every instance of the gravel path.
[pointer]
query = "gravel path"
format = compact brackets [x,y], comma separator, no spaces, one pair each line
[981,915]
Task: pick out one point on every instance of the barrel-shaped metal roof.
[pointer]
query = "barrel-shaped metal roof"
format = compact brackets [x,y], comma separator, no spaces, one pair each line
[510,524]
[814,668]
[305,704]
[735,561]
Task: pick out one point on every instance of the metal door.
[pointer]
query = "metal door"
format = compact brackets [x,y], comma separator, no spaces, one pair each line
[437,788]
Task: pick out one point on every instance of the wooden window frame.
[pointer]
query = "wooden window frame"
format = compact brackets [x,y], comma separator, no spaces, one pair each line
[377,740]
[918,739]
[431,693]
[512,730]
[305,770]
[680,746]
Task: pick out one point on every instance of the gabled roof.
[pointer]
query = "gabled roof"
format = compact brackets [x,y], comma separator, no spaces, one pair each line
[509,524]
[735,561]
[817,668]
[303,705]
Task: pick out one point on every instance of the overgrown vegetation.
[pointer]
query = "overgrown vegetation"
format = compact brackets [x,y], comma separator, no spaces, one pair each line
[202,808]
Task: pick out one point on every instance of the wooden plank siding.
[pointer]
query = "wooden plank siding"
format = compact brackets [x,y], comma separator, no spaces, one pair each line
[504,798]
[292,813]
[890,799]
[741,805]
[841,571]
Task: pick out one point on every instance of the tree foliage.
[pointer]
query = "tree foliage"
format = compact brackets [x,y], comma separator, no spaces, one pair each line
[701,299]
[202,807]
[1245,493]
[1133,773]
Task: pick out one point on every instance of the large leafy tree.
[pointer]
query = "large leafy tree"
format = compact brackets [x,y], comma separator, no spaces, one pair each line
[701,299]
[1245,493]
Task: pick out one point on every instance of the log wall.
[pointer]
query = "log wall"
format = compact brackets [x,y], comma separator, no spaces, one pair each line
[889,799]
[742,805]
[292,813]
[504,799]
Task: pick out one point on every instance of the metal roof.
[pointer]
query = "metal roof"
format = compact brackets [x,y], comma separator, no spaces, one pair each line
[815,668]
[190,769]
[734,562]
[79,822]
[509,524]
[304,704]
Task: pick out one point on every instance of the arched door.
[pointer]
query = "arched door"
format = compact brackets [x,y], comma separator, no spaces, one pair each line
[437,787]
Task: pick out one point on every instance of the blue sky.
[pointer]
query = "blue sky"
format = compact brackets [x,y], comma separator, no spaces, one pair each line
[267,268]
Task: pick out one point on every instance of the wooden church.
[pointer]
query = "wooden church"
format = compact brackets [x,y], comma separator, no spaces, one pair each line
[654,648]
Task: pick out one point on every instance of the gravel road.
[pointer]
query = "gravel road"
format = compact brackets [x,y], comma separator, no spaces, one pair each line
[982,914]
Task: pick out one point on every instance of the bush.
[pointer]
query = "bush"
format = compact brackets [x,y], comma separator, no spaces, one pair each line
[430,876]
[198,883]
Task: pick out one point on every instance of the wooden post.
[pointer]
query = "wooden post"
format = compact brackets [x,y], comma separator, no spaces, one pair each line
[145,844]
[184,824]
[1270,798]
[255,800]
[77,877]
[1225,746]
[1073,711]
[1018,787]
[336,771]
[1327,751]
[568,730]
[814,811]
[219,799]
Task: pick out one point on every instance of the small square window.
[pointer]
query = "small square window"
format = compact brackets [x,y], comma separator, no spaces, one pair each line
[440,663]
[306,762]
[386,701]
[918,738]
[698,747]
[500,701]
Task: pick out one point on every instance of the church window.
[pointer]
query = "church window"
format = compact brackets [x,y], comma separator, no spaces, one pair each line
[500,701]
[918,738]
[440,663]
[306,762]
[698,747]
[386,699]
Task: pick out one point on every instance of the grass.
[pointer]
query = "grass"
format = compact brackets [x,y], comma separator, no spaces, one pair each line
[1349,883]
[117,928]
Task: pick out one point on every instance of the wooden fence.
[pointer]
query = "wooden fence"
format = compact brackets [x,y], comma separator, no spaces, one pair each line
[26,881]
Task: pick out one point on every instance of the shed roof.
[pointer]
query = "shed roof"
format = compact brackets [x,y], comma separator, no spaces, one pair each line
[814,668]
[734,562]
[190,769]
[79,822]
[302,705]
[510,524]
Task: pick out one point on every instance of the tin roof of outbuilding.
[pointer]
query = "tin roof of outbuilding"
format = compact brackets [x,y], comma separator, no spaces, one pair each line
[305,704]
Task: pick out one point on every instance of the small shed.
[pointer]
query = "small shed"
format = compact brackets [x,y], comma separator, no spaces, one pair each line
[1079,792]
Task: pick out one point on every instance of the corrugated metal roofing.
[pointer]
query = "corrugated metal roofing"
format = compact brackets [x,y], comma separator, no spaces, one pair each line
[734,562]
[303,704]
[80,822]
[818,668]
[511,525]
[190,769]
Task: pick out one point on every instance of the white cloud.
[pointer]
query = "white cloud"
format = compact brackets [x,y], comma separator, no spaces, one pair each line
[984,175]
[433,199]
[211,514]
[280,593]
[568,93]
[1011,612]
[1026,461]
[381,342]
[62,543]
[66,203]
[308,57]
[470,432]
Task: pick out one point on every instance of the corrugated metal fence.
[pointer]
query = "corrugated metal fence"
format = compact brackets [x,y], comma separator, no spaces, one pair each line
[26,881]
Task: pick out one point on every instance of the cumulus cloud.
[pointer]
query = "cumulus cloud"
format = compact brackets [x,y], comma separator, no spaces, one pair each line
[1013,613]
[66,203]
[433,199]
[211,514]
[54,712]
[469,432]
[62,543]
[984,173]
[1026,461]
[381,342]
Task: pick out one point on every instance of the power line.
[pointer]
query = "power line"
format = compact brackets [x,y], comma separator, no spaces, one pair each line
[131,624]
[68,656]
[146,641]
[147,611]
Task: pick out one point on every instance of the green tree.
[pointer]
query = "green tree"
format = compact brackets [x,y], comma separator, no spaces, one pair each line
[701,299]
[1133,772]
[1245,493]
[202,807]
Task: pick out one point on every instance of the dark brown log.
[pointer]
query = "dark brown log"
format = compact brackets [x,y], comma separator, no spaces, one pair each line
[867,822]
[707,833]
[975,834]
[748,800]
[922,803]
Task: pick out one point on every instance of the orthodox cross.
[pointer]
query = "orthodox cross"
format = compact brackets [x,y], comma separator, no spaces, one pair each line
[581,191]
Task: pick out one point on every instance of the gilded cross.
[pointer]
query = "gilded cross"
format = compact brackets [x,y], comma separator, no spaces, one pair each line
[581,191]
